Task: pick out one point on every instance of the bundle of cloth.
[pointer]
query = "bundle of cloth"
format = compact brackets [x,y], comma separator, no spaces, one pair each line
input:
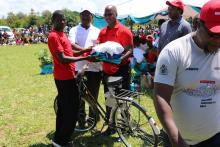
[108,52]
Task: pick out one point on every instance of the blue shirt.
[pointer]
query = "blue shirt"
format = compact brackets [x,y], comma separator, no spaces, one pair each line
[171,30]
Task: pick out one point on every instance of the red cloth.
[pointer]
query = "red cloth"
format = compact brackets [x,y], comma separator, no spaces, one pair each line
[58,42]
[119,34]
[151,56]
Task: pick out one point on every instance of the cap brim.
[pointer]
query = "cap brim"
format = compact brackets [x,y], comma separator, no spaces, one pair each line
[86,11]
[173,4]
[214,27]
[168,3]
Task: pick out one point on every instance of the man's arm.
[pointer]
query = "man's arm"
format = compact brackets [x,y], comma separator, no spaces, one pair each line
[78,50]
[162,96]
[67,59]
[128,52]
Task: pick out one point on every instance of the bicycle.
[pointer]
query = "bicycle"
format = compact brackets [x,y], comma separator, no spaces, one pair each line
[132,122]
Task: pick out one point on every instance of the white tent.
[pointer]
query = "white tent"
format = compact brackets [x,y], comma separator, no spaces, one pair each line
[140,8]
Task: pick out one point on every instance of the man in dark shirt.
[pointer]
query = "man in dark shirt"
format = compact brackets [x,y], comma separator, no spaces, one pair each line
[176,27]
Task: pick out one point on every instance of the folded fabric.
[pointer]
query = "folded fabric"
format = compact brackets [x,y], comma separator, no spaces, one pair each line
[106,57]
[108,52]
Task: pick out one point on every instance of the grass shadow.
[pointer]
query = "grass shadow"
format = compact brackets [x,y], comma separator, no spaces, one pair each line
[49,136]
[98,140]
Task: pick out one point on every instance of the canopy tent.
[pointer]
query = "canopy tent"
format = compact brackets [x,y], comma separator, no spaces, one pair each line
[139,11]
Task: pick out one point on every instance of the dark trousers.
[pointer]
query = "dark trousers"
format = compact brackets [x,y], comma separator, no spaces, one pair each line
[68,106]
[211,142]
[125,72]
[93,84]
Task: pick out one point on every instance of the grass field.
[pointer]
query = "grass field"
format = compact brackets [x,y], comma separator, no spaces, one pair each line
[27,118]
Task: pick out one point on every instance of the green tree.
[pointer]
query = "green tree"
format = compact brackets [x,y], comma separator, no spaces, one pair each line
[72,17]
[32,18]
[46,16]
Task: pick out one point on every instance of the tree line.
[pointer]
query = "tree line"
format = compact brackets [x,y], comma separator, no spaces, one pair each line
[21,20]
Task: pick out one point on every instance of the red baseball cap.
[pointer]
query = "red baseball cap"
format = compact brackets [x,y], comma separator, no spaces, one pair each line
[176,3]
[150,38]
[210,14]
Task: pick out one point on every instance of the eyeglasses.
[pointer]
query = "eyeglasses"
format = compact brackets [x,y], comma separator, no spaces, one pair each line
[210,34]
[108,14]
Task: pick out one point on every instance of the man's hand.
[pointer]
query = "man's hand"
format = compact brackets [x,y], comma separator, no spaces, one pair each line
[180,143]
[123,61]
[92,59]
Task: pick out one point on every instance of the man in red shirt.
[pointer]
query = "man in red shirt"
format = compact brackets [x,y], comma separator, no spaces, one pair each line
[64,72]
[118,33]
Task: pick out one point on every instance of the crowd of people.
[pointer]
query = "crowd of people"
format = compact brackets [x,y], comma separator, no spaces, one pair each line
[184,57]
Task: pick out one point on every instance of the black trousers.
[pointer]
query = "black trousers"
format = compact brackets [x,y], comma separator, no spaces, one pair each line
[93,83]
[125,72]
[68,106]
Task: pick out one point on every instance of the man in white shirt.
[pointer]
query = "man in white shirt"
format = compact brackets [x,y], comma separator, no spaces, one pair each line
[187,84]
[82,38]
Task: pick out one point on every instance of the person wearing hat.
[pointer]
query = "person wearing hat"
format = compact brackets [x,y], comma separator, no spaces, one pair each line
[64,77]
[176,26]
[187,84]
[116,32]
[82,38]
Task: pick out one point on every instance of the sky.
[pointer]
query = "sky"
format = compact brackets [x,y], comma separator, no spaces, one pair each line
[139,6]
[25,6]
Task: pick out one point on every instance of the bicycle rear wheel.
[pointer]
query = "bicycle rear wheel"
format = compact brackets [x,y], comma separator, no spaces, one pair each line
[132,125]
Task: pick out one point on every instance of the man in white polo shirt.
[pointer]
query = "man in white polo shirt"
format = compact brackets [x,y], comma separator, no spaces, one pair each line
[82,38]
[187,84]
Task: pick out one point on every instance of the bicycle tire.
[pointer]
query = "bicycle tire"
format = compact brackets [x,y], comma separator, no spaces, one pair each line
[89,122]
[84,117]
[132,125]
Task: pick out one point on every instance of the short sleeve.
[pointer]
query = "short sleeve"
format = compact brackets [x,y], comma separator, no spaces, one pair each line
[72,35]
[127,38]
[166,68]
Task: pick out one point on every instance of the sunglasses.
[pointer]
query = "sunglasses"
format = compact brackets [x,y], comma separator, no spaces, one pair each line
[210,34]
[108,14]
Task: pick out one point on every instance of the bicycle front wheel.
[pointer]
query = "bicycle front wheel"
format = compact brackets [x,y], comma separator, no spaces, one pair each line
[132,125]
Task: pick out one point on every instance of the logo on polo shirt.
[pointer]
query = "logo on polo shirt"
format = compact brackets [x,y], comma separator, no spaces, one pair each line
[163,69]
[192,68]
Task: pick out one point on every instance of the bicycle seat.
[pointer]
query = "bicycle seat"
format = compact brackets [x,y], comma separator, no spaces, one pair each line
[113,81]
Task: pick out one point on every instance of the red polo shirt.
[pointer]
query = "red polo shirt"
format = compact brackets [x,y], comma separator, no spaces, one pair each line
[58,42]
[119,34]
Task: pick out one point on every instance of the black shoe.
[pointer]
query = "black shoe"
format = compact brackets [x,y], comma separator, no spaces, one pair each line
[109,131]
[70,144]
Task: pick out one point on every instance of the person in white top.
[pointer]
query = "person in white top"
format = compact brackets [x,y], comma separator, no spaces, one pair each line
[187,84]
[83,38]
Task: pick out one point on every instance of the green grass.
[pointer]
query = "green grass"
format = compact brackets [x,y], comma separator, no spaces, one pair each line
[27,118]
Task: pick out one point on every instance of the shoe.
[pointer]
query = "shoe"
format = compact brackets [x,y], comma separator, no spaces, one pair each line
[70,144]
[55,144]
[109,131]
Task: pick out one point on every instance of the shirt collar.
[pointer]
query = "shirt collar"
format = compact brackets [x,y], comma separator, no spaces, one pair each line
[177,20]
[117,24]
[90,27]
